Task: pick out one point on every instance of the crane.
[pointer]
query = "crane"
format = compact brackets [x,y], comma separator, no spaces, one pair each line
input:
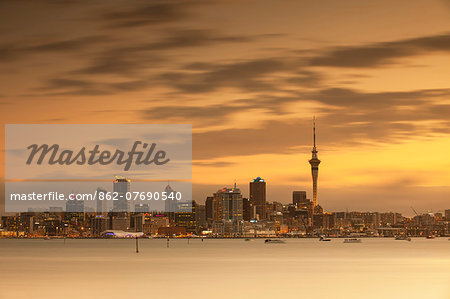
[414,211]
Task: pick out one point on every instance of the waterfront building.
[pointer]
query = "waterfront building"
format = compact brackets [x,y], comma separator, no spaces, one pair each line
[137,222]
[121,186]
[119,222]
[152,222]
[101,200]
[209,210]
[299,199]
[73,206]
[200,217]
[171,203]
[141,208]
[99,225]
[258,198]
[186,216]
[227,211]
[246,209]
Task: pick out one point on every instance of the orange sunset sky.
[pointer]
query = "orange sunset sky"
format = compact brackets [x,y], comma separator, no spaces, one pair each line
[249,76]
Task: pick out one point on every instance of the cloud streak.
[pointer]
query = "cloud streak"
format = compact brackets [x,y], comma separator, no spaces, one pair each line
[157,12]
[381,54]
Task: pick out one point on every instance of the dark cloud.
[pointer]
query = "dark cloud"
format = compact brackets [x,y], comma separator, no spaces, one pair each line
[67,44]
[9,52]
[209,114]
[138,56]
[380,54]
[344,97]
[183,112]
[64,86]
[156,12]
[249,75]
[120,61]
[185,38]
[305,78]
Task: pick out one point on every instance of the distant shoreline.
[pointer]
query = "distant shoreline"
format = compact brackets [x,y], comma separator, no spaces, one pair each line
[209,238]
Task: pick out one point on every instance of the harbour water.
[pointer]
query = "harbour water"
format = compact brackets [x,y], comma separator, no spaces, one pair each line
[218,268]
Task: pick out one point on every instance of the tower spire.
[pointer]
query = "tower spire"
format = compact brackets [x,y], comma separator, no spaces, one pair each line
[314,165]
[314,151]
[314,129]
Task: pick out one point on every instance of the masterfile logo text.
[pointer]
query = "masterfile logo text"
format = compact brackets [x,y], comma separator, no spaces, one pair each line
[96,156]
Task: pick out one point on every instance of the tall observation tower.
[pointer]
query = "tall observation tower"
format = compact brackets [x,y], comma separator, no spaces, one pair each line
[314,167]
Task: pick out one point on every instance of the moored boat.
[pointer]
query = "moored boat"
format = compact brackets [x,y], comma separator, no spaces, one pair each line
[274,241]
[403,238]
[352,240]
[325,239]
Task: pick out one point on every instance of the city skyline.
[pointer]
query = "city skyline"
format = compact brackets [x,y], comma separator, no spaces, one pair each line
[249,80]
[280,146]
[227,213]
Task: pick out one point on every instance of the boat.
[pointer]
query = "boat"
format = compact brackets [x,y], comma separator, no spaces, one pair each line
[274,241]
[431,237]
[247,239]
[352,240]
[325,239]
[402,238]
[47,238]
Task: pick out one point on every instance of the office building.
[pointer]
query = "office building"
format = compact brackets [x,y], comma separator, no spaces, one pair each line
[100,201]
[121,187]
[258,198]
[299,199]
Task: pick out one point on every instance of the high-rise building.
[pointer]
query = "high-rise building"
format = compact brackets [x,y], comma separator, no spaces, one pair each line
[171,203]
[141,208]
[186,216]
[227,204]
[137,222]
[121,187]
[303,207]
[119,221]
[200,216]
[314,167]
[258,198]
[101,200]
[209,210]
[75,206]
[299,199]
[227,211]
[246,209]
[99,224]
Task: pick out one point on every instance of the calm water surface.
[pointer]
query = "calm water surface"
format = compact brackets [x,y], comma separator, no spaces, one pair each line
[301,268]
